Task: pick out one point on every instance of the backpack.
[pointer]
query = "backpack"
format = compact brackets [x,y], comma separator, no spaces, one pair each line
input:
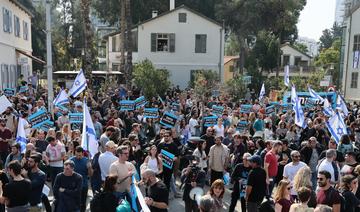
[342,199]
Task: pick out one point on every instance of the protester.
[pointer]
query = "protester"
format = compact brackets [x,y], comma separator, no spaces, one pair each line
[218,159]
[157,193]
[283,199]
[214,196]
[327,194]
[256,185]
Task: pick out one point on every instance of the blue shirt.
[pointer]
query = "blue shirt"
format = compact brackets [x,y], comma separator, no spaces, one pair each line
[259,125]
[81,168]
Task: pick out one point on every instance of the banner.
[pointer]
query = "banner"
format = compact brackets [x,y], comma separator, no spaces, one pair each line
[76,118]
[61,110]
[127,105]
[46,125]
[242,126]
[305,96]
[276,105]
[4,103]
[210,121]
[245,108]
[152,113]
[139,102]
[217,110]
[38,118]
[270,110]
[167,158]
[215,93]
[168,120]
[9,92]
[287,106]
[23,89]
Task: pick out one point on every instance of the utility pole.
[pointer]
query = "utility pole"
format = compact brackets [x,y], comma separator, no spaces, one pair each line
[49,67]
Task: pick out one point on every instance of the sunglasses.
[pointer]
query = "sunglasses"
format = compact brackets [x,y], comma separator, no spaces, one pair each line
[320,178]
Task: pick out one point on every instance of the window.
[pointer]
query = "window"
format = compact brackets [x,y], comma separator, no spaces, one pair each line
[161,42]
[200,43]
[354,79]
[7,20]
[113,43]
[25,30]
[134,41]
[286,60]
[356,46]
[297,61]
[16,26]
[182,17]
[115,67]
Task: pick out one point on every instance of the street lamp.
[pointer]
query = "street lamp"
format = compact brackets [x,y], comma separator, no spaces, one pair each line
[49,66]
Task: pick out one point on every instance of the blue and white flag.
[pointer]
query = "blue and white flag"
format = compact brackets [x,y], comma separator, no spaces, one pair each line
[341,105]
[314,95]
[299,114]
[21,135]
[262,92]
[286,76]
[62,98]
[79,84]
[89,141]
[336,126]
[327,108]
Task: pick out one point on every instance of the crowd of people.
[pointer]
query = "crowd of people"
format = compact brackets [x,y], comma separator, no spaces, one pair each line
[271,164]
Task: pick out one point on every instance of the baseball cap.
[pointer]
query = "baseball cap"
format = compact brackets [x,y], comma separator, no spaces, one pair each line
[255,159]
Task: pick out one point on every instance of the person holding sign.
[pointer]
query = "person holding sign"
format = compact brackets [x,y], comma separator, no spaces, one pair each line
[168,146]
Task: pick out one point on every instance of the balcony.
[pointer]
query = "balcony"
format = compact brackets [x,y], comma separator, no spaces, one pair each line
[304,71]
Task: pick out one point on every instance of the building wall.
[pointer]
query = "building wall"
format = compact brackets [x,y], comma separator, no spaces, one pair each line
[9,59]
[352,29]
[183,60]
[228,75]
[287,50]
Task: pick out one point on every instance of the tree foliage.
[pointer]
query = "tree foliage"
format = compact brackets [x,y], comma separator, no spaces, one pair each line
[301,47]
[329,36]
[153,82]
[205,81]
[236,88]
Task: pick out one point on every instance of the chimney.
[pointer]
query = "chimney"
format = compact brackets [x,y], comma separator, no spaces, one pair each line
[172,4]
[154,13]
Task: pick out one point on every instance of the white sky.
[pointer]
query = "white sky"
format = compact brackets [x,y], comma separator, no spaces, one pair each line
[316,16]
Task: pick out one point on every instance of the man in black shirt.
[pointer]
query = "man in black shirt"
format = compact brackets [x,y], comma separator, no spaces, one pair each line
[37,178]
[67,189]
[157,195]
[209,137]
[169,146]
[256,184]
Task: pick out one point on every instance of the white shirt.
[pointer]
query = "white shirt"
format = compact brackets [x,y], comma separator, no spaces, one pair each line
[192,124]
[105,161]
[325,165]
[219,130]
[290,171]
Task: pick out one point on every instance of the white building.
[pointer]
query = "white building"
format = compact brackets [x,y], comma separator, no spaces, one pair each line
[180,40]
[294,57]
[350,75]
[311,44]
[15,43]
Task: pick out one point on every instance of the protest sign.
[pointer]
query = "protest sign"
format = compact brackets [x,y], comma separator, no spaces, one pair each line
[23,89]
[210,121]
[242,126]
[167,158]
[217,110]
[61,110]
[175,106]
[9,92]
[46,125]
[151,113]
[245,108]
[139,102]
[215,93]
[38,118]
[4,103]
[168,120]
[75,118]
[305,96]
[270,110]
[127,105]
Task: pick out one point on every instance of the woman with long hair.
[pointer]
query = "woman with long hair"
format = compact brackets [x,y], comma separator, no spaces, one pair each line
[349,185]
[200,153]
[107,200]
[153,161]
[303,179]
[282,196]
[214,196]
[66,131]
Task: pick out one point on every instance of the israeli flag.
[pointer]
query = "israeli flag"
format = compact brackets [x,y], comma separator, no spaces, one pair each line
[21,135]
[62,98]
[341,105]
[299,114]
[88,141]
[286,77]
[327,108]
[336,126]
[262,92]
[314,95]
[79,84]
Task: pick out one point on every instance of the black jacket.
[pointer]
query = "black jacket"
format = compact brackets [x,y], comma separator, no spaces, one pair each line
[306,153]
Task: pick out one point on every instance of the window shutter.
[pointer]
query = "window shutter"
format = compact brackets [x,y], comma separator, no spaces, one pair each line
[203,43]
[153,42]
[172,42]
[4,20]
[10,22]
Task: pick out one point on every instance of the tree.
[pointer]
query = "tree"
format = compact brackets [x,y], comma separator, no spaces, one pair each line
[329,36]
[153,82]
[236,88]
[232,46]
[301,47]
[205,81]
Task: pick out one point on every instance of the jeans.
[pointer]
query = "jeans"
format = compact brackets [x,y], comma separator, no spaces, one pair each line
[53,172]
[252,206]
[84,192]
[314,180]
[172,184]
